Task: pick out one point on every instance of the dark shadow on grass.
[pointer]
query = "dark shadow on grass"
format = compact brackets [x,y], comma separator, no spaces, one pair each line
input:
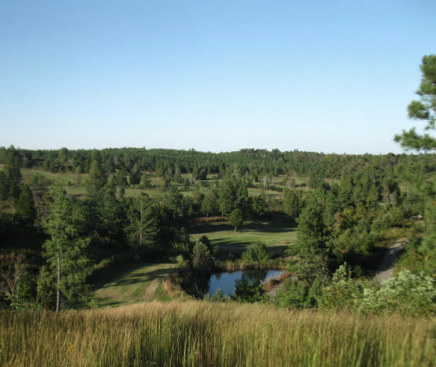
[123,278]
[242,246]
[268,227]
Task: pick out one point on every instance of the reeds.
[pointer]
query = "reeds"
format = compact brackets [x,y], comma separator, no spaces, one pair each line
[194,333]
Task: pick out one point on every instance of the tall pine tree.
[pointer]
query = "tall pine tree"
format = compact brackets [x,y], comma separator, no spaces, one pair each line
[65,250]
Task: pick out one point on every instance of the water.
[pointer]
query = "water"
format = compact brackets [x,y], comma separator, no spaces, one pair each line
[226,281]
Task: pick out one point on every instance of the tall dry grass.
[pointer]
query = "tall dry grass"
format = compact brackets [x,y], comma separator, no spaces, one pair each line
[196,334]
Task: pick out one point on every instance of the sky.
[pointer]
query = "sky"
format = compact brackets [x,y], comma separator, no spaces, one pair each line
[222,75]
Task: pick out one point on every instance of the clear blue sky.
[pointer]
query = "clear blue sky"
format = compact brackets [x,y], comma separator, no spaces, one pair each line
[221,75]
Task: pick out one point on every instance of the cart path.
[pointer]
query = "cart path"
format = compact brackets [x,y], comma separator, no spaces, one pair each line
[386,268]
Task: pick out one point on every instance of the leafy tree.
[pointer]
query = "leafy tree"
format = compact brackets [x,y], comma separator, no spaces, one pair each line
[65,250]
[15,285]
[236,218]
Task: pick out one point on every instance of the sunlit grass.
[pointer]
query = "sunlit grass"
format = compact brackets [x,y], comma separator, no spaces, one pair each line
[277,236]
[136,283]
[213,334]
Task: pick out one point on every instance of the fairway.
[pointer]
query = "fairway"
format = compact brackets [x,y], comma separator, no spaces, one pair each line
[137,283]
[276,236]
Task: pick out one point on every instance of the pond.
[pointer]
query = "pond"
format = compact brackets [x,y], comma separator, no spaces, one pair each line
[226,281]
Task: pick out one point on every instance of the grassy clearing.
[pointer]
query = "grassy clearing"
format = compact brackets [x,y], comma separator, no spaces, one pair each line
[135,284]
[210,334]
[64,177]
[276,235]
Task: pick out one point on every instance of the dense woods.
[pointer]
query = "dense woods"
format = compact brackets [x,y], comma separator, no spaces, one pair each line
[344,206]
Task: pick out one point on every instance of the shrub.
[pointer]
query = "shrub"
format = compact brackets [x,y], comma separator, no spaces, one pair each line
[409,294]
[256,252]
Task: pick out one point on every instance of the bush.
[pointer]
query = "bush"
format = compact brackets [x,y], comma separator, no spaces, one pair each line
[256,252]
[342,292]
[409,294]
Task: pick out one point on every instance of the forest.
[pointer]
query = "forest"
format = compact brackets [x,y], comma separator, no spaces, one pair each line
[70,218]
[127,205]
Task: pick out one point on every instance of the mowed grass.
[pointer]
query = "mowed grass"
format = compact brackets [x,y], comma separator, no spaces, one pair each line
[277,236]
[136,283]
[196,333]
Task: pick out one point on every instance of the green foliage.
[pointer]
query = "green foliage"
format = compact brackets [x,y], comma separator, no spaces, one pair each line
[246,291]
[236,218]
[25,210]
[259,206]
[46,293]
[15,280]
[425,109]
[298,293]
[256,252]
[201,258]
[342,292]
[143,228]
[97,178]
[178,207]
[292,203]
[409,294]
[65,250]
[219,296]
[210,204]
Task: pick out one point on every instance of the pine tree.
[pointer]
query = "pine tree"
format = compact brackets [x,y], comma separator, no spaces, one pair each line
[425,110]
[65,250]
[25,210]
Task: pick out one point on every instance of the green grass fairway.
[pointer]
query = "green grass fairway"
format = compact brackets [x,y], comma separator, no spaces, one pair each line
[135,284]
[277,236]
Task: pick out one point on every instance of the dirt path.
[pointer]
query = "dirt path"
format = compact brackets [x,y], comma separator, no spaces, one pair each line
[386,268]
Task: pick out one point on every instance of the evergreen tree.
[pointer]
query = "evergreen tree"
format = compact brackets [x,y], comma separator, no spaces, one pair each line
[65,250]
[209,205]
[97,178]
[143,228]
[425,109]
[236,218]
[25,210]
[292,203]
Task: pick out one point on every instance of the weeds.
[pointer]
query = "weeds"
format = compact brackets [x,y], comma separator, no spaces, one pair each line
[190,333]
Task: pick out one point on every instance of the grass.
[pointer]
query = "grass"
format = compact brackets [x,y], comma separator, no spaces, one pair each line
[277,236]
[136,283]
[194,333]
[65,177]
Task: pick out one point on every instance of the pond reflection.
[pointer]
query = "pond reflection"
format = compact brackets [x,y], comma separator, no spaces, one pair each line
[226,281]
